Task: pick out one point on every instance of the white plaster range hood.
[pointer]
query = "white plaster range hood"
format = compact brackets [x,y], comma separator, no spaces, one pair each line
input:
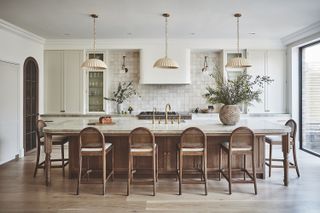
[150,75]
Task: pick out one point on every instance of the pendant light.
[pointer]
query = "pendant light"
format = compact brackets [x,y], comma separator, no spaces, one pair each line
[239,61]
[166,63]
[94,63]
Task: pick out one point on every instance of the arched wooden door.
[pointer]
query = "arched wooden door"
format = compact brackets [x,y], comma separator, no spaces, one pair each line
[30,102]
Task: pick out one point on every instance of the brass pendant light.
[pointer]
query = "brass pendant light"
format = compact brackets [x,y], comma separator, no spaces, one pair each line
[94,63]
[165,62]
[239,61]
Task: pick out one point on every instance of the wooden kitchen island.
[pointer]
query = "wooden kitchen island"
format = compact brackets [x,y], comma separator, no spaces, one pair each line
[167,136]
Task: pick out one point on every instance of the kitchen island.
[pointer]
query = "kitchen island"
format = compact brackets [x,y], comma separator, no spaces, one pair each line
[167,136]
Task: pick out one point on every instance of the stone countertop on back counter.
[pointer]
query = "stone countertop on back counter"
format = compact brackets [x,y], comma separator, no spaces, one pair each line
[123,125]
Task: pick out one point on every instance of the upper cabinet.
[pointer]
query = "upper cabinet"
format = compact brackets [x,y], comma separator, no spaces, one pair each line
[271,63]
[150,75]
[63,81]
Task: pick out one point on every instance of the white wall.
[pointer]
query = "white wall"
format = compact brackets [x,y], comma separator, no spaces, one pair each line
[17,45]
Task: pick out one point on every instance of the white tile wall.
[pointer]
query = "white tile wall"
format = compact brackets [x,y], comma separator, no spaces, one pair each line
[180,97]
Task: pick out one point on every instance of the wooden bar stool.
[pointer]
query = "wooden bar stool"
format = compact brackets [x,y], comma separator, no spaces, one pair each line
[142,144]
[57,140]
[193,142]
[241,143]
[92,143]
[277,140]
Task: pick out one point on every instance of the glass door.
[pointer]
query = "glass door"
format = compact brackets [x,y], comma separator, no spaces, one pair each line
[95,88]
[310,98]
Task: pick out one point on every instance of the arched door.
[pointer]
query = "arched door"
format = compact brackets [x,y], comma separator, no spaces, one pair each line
[30,102]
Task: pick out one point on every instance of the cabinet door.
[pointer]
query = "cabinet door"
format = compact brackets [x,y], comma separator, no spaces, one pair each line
[257,60]
[73,81]
[276,91]
[53,71]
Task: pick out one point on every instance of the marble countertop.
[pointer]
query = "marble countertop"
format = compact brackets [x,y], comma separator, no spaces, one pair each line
[123,125]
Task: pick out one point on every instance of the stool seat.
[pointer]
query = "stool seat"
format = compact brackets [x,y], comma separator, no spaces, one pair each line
[96,149]
[142,148]
[237,149]
[56,139]
[276,139]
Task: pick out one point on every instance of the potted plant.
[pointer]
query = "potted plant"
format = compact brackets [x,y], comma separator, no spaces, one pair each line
[124,91]
[233,92]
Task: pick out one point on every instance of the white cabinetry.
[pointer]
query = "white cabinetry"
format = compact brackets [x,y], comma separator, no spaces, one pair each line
[63,81]
[150,75]
[273,64]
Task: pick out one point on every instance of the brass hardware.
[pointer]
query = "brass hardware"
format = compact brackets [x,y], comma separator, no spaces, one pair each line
[179,119]
[167,109]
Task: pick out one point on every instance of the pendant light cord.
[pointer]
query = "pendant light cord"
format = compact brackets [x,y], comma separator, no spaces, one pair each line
[166,36]
[94,37]
[238,37]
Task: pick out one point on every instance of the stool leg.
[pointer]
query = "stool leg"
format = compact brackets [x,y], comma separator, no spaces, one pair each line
[62,159]
[112,163]
[157,164]
[220,162]
[180,170]
[229,172]
[79,174]
[177,165]
[295,158]
[205,174]
[129,174]
[37,161]
[104,166]
[244,166]
[270,158]
[254,173]
[154,172]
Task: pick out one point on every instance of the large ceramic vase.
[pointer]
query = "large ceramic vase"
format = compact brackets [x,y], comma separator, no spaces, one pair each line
[229,114]
[119,108]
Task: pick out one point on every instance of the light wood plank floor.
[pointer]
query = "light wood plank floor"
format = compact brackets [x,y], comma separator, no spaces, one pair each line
[20,192]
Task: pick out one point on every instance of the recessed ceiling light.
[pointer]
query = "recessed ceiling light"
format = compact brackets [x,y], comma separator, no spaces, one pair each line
[66,34]
[192,34]
[251,33]
[129,34]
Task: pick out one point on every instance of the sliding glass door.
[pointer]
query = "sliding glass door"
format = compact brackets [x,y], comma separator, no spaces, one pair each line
[310,98]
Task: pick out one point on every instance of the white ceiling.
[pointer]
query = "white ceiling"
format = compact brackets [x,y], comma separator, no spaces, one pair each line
[55,19]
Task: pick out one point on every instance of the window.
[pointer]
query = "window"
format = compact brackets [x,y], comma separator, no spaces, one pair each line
[310,98]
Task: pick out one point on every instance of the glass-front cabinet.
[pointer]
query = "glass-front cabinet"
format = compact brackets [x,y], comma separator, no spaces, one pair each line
[95,81]
[95,91]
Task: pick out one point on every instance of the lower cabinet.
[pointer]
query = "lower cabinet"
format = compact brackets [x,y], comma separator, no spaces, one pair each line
[271,63]
[63,81]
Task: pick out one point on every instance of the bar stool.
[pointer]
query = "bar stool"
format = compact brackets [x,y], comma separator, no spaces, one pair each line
[193,142]
[142,144]
[57,140]
[92,143]
[277,140]
[241,143]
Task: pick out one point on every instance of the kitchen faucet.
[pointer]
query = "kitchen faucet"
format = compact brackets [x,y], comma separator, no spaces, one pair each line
[167,109]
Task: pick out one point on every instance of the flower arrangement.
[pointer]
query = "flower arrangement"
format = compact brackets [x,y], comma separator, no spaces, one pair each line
[240,90]
[124,91]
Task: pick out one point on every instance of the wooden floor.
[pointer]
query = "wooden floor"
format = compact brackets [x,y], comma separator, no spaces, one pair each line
[20,192]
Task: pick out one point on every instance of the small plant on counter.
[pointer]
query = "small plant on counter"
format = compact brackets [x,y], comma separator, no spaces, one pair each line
[124,91]
[130,109]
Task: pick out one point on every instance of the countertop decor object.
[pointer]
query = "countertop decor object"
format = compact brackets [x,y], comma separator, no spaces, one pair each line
[233,92]
[94,63]
[124,91]
[165,62]
[239,61]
